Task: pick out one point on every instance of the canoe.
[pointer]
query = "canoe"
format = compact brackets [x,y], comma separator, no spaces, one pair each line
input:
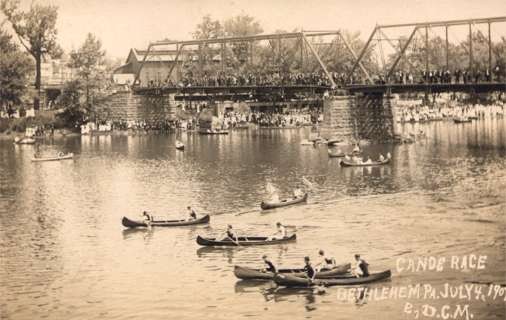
[24,140]
[346,163]
[257,274]
[288,280]
[243,241]
[213,131]
[462,120]
[57,158]
[335,155]
[179,145]
[164,223]
[265,205]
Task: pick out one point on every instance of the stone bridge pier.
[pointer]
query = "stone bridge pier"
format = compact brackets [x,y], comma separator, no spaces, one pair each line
[359,117]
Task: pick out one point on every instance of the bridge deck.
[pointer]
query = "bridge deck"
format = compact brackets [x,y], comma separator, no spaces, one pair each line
[431,87]
[294,91]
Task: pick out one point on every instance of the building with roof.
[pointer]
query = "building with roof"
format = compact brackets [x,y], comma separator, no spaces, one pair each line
[157,66]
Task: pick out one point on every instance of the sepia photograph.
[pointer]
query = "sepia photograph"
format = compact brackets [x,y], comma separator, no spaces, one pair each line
[233,159]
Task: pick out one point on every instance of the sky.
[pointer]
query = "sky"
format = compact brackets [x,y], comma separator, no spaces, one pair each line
[125,24]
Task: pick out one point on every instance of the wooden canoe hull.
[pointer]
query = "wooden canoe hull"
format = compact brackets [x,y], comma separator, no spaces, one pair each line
[164,223]
[243,241]
[335,155]
[65,157]
[256,274]
[288,280]
[345,163]
[265,205]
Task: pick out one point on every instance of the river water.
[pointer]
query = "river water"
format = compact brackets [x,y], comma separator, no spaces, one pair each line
[65,255]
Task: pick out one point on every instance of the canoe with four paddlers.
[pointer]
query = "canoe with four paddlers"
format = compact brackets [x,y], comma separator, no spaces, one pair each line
[245,273]
[462,120]
[67,156]
[348,163]
[164,223]
[289,280]
[244,241]
[335,154]
[283,203]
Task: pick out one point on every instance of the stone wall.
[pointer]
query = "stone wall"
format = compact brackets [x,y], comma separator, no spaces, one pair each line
[352,118]
[130,107]
[374,116]
[338,118]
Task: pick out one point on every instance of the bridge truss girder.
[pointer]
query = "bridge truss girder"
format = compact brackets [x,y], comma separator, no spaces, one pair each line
[378,29]
[301,36]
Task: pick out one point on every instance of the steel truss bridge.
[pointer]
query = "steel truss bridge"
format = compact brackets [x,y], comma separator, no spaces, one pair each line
[249,92]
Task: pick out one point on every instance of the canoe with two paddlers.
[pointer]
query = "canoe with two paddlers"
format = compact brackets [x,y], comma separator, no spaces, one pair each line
[67,156]
[348,163]
[164,223]
[289,280]
[283,203]
[244,241]
[246,273]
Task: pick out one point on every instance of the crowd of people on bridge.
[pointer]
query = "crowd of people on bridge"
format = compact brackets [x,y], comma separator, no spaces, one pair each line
[264,79]
[320,78]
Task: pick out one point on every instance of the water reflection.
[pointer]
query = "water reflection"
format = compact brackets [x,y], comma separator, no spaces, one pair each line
[66,255]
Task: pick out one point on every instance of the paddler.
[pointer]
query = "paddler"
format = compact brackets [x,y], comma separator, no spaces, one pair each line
[147,218]
[362,267]
[309,270]
[326,263]
[192,215]
[280,232]
[298,193]
[269,265]
[230,234]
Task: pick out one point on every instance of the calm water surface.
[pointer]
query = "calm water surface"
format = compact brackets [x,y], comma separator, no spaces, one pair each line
[65,255]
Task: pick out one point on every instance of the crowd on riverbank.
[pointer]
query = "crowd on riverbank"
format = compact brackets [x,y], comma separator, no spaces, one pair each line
[441,111]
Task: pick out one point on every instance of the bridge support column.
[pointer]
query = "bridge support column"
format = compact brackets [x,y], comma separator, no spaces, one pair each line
[360,117]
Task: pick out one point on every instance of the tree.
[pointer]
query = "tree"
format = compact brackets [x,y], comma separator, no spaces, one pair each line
[15,67]
[89,61]
[241,26]
[36,30]
[70,99]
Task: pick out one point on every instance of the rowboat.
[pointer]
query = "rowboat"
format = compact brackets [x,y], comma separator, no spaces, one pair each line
[67,156]
[347,163]
[244,241]
[257,274]
[265,205]
[164,223]
[179,145]
[335,155]
[289,280]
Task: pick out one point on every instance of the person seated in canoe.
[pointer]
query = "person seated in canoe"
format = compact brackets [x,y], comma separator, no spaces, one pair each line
[147,218]
[381,158]
[273,192]
[347,157]
[355,159]
[269,266]
[389,156]
[192,215]
[298,193]
[280,232]
[326,262]
[309,270]
[362,267]
[356,149]
[231,235]
[61,154]
[368,161]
